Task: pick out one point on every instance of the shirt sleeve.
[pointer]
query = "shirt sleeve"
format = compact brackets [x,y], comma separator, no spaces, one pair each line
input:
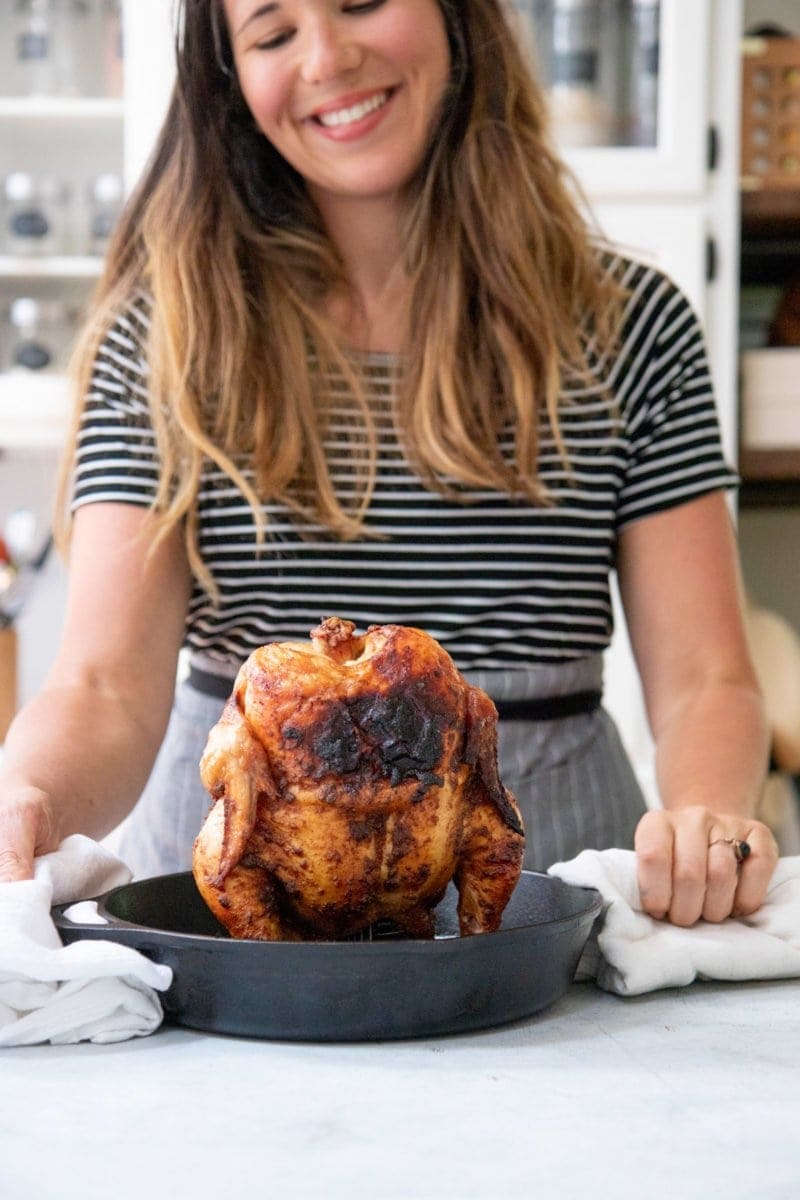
[116,458]
[675,448]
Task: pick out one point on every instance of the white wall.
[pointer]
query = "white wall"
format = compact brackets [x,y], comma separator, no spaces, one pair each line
[779,12]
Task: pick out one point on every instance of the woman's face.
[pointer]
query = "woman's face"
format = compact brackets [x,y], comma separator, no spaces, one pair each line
[348,91]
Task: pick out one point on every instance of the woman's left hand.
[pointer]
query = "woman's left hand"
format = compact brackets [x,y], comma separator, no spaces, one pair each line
[689,866]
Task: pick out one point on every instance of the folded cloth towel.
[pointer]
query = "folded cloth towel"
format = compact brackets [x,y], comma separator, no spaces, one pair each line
[89,991]
[629,952]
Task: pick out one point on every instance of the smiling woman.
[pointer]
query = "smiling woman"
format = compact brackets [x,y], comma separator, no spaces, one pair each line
[346,93]
[357,353]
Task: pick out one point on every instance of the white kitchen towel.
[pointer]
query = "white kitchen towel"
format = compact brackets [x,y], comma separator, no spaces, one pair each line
[94,991]
[631,952]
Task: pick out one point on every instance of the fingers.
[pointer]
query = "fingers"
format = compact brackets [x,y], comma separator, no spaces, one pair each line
[688,868]
[654,853]
[15,865]
[697,874]
[721,881]
[672,855]
[25,830]
[756,870]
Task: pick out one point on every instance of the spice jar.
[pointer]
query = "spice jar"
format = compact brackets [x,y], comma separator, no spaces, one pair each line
[49,45]
[35,214]
[105,205]
[34,61]
[41,334]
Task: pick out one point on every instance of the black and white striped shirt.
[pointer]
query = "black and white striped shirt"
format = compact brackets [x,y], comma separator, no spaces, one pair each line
[499,583]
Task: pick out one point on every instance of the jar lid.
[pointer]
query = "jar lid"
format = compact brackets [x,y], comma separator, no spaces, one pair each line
[21,187]
[107,189]
[25,311]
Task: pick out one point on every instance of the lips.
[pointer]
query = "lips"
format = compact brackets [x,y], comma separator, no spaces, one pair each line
[351,112]
[354,112]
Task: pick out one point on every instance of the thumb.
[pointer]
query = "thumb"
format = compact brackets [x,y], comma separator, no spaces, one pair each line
[15,864]
[24,831]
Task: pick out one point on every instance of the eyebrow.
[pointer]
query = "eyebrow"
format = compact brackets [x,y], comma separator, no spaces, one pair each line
[262,11]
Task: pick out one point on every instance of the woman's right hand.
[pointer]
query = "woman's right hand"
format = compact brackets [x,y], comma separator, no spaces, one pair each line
[79,752]
[27,830]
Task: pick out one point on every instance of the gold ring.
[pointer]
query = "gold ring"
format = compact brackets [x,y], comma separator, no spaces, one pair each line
[740,848]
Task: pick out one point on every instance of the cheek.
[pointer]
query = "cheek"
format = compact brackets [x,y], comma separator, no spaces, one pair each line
[262,96]
[416,37]
[432,70]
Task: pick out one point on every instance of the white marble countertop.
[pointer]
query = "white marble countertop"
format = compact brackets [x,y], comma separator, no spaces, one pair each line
[689,1094]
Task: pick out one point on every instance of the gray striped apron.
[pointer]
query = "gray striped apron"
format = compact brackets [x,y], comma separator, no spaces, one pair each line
[571,776]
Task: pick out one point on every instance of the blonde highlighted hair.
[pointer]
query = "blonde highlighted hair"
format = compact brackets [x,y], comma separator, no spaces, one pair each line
[221,233]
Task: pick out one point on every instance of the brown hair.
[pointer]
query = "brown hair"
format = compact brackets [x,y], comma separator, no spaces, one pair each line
[223,236]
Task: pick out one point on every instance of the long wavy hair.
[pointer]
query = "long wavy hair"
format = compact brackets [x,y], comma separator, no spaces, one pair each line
[223,237]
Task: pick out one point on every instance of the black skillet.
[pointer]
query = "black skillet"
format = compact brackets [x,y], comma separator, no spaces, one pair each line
[388,986]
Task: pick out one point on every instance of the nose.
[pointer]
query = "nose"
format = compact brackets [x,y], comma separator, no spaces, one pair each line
[329,51]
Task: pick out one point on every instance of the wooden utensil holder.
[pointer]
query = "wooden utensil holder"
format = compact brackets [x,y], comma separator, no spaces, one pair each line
[770,114]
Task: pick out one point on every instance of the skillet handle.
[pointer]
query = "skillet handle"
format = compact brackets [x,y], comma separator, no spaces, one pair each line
[93,929]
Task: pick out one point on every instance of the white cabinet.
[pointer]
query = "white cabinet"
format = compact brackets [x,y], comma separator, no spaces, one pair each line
[676,166]
[61,131]
[61,119]
[675,203]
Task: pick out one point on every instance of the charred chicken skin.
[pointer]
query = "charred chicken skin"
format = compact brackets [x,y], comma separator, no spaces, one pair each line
[353,777]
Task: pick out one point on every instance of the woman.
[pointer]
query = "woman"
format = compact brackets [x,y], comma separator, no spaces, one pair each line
[355,352]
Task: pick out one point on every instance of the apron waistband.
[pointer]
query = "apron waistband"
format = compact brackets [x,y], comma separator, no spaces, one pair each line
[549,708]
[219,686]
[536,708]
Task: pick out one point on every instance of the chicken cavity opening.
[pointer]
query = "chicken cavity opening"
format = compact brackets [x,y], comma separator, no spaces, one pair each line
[336,638]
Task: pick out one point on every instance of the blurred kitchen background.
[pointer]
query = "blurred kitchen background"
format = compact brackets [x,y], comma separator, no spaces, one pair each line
[680,118]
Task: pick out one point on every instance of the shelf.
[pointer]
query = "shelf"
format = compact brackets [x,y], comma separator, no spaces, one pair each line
[770,225]
[770,478]
[63,266]
[769,493]
[771,213]
[34,410]
[774,464]
[60,108]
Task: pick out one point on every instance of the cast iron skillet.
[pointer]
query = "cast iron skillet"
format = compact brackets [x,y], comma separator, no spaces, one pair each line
[387,987]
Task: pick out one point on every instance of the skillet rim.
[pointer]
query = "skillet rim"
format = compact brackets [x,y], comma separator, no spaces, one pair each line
[593,907]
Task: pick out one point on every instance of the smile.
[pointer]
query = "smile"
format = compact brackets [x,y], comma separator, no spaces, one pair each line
[356,112]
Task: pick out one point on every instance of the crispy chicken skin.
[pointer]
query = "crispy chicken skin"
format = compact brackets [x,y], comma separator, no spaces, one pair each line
[353,777]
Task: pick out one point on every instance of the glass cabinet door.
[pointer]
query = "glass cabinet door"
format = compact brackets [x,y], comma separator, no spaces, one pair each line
[628,90]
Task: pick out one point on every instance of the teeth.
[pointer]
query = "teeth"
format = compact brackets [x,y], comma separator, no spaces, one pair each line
[347,116]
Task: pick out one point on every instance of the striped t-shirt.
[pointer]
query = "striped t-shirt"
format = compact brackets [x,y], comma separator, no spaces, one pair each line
[500,583]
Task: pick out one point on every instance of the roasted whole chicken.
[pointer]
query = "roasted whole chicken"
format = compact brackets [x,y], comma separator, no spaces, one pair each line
[353,777]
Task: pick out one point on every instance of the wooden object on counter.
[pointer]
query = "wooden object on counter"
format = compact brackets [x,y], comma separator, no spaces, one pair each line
[776,464]
[8,678]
